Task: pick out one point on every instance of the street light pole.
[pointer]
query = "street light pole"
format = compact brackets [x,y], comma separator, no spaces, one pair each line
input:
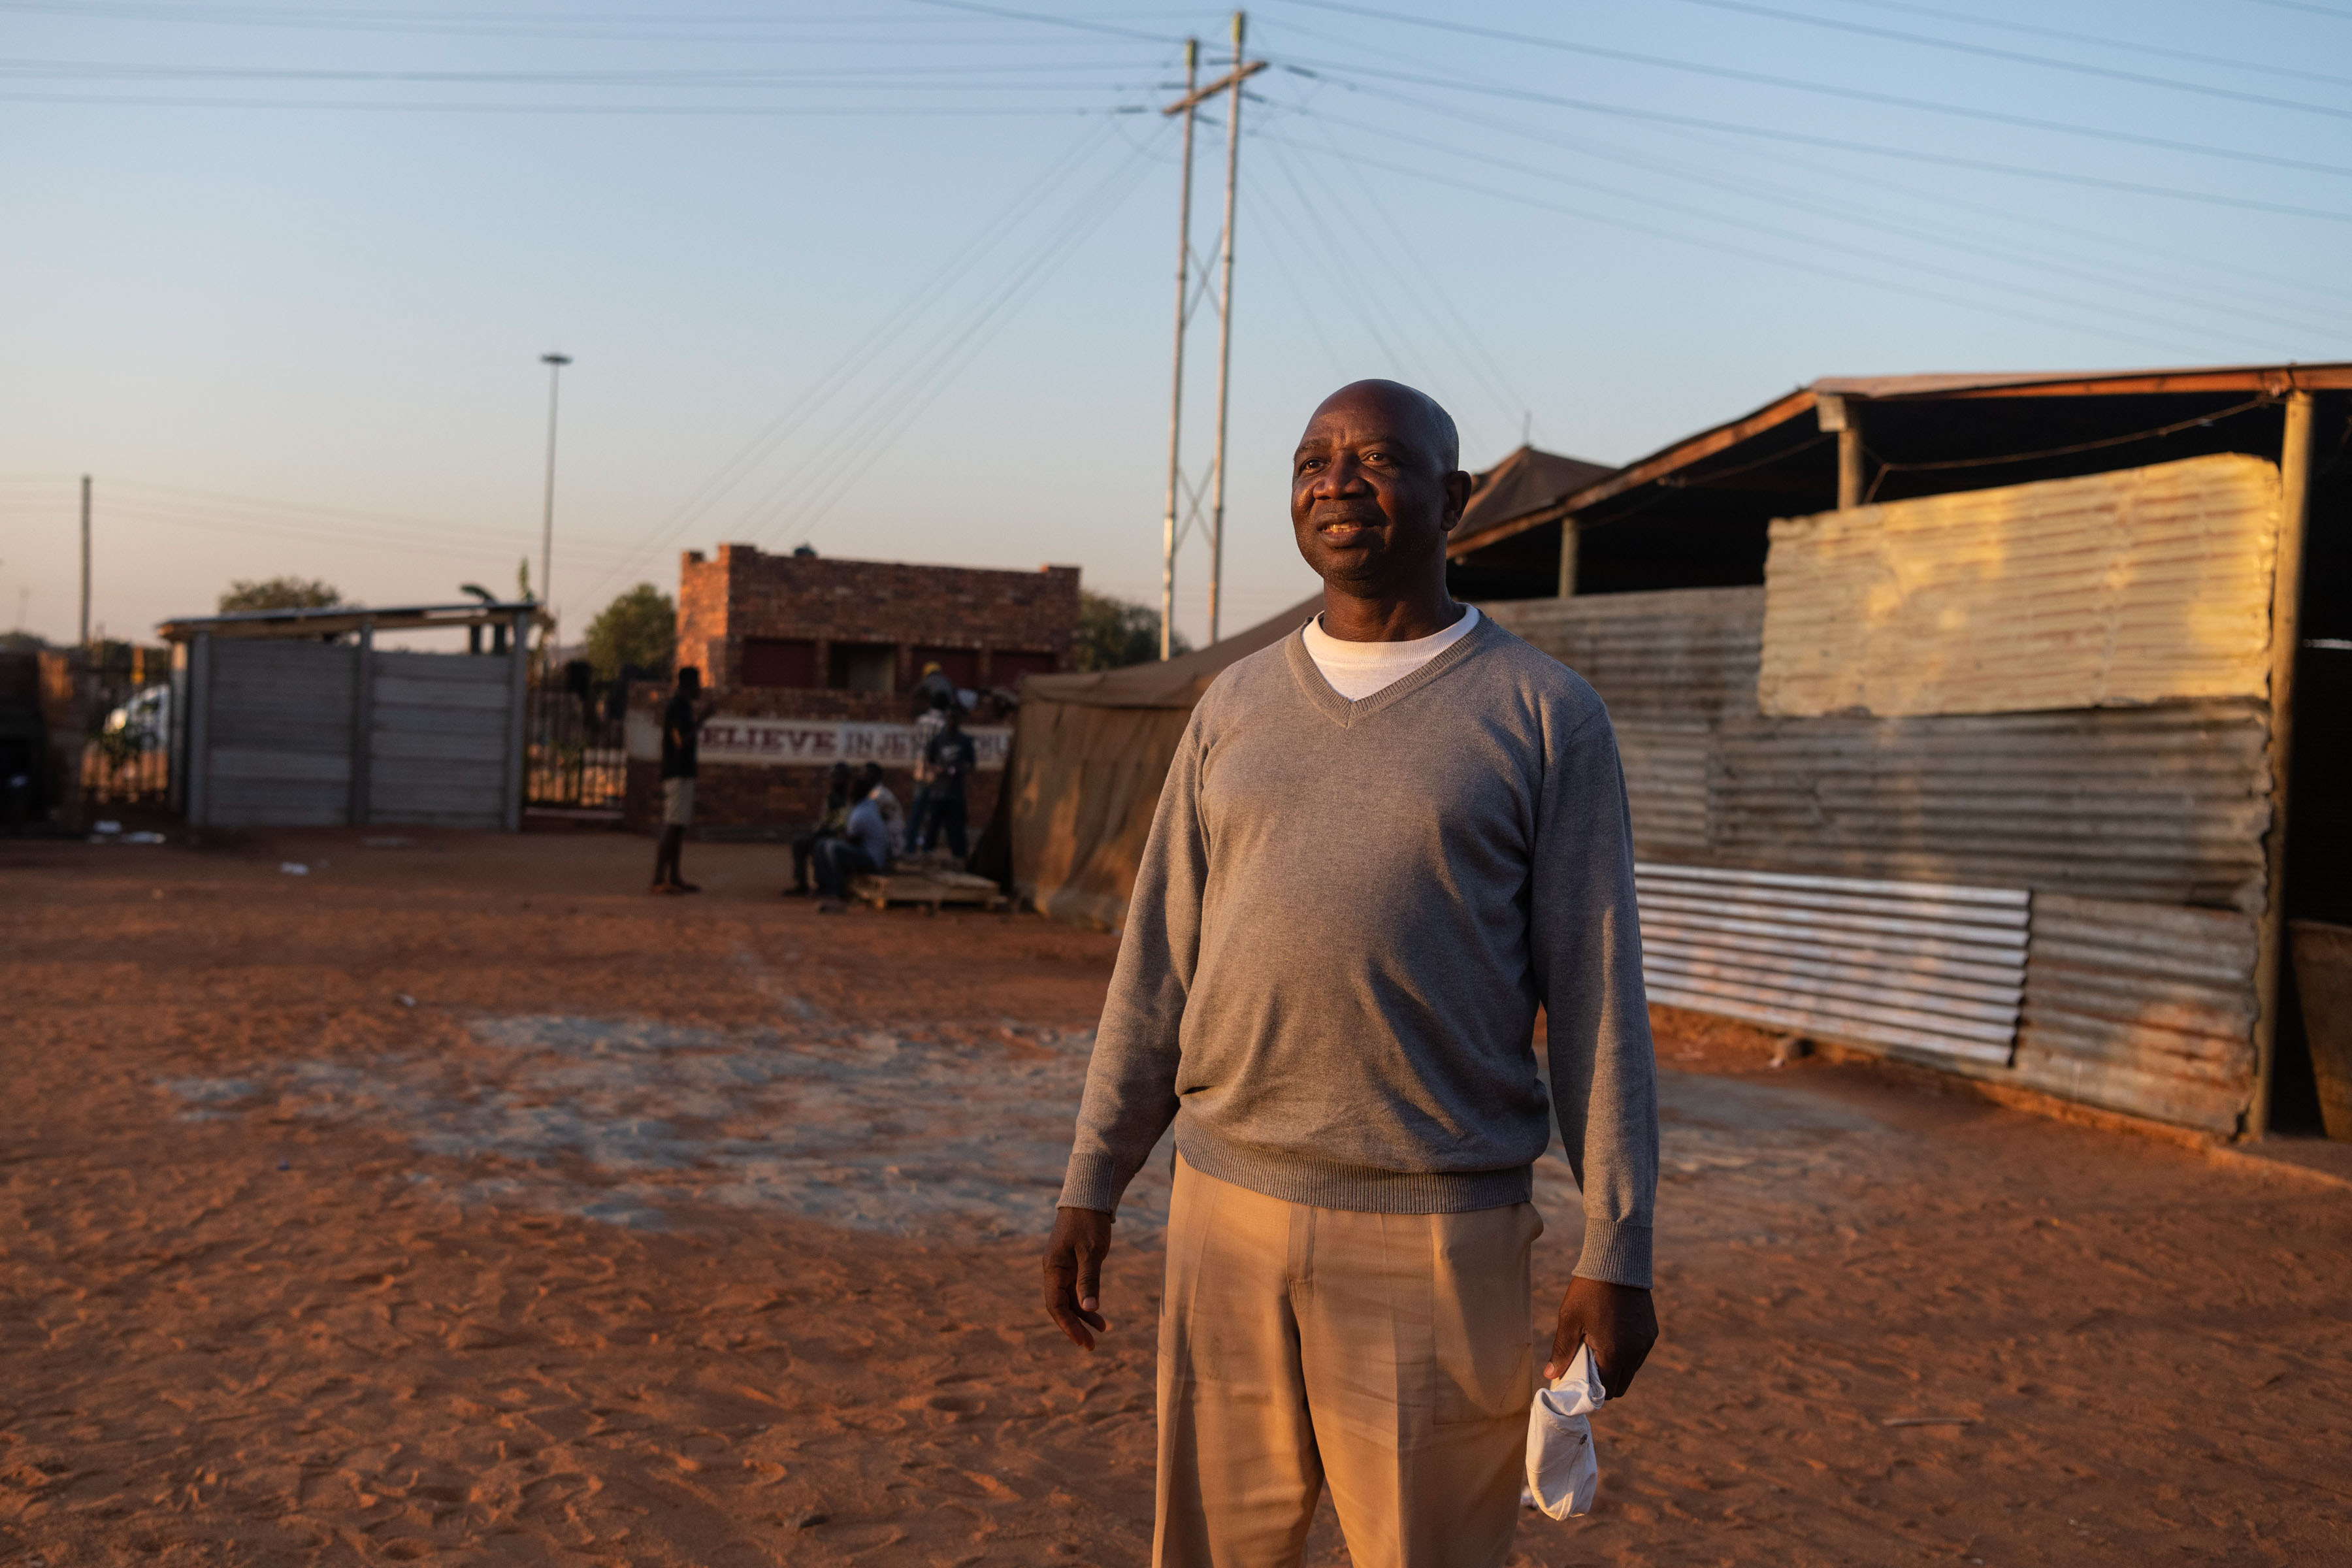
[555,364]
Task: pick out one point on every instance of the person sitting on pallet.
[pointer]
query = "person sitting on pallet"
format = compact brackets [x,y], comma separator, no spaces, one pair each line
[832,824]
[864,848]
[894,816]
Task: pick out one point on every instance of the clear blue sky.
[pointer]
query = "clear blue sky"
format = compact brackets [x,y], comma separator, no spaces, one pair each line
[279,274]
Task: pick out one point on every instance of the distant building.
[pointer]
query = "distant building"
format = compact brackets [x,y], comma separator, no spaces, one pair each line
[810,622]
[811,660]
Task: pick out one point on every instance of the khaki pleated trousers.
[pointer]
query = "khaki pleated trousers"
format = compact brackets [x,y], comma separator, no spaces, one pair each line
[1388,1355]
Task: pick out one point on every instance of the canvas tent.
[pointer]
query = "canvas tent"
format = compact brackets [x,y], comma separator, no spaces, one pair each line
[1088,762]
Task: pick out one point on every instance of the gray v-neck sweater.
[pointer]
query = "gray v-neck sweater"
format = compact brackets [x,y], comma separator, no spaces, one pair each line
[1345,919]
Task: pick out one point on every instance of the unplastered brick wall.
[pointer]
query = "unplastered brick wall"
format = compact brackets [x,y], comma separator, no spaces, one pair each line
[743,592]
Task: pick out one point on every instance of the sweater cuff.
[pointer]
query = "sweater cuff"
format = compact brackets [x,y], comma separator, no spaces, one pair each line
[1091,1183]
[1615,1251]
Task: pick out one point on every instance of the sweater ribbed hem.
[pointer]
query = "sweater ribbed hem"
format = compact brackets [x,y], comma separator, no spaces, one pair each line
[1356,1188]
[1616,1252]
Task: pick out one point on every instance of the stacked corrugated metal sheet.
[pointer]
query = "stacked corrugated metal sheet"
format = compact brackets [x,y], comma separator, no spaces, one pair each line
[1924,970]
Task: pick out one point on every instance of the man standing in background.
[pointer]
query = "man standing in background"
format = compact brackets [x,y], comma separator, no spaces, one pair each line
[927,724]
[681,734]
[1383,844]
[950,757]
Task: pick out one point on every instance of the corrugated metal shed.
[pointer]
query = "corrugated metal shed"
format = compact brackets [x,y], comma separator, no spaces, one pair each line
[2111,588]
[1757,832]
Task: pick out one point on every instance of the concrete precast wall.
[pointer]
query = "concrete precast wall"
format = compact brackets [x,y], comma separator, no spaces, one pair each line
[287,733]
[276,737]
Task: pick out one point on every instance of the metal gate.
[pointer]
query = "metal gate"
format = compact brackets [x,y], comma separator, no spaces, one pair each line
[126,751]
[574,755]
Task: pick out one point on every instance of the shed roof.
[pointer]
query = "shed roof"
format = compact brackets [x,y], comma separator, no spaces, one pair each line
[328,620]
[1527,481]
[1933,433]
[2270,380]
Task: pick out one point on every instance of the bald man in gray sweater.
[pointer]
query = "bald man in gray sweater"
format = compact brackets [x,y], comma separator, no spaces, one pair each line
[1383,844]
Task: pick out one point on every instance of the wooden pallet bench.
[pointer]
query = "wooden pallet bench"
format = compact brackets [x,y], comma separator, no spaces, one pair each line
[930,889]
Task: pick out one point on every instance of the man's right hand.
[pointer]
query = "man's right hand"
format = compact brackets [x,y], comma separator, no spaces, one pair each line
[1074,1260]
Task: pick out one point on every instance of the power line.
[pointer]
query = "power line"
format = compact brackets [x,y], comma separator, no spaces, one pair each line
[889,410]
[2066,36]
[1341,71]
[1863,219]
[1339,264]
[1003,219]
[1830,90]
[312,526]
[1770,230]
[1046,19]
[1459,337]
[2313,10]
[2135,249]
[861,77]
[2020,57]
[697,110]
[1720,247]
[588,26]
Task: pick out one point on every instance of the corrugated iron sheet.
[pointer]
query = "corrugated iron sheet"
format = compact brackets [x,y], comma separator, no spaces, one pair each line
[2163,805]
[1665,763]
[2141,1008]
[1665,664]
[1914,967]
[1690,653]
[2137,587]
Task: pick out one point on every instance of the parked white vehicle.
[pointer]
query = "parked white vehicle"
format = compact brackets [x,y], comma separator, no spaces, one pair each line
[147,715]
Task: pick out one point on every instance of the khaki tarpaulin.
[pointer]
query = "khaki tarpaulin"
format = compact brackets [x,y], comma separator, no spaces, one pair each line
[1088,762]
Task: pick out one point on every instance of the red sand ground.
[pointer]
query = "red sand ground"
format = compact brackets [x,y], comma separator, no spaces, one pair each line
[297,1272]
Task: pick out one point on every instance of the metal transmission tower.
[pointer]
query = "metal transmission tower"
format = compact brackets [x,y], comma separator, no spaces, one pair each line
[1194,95]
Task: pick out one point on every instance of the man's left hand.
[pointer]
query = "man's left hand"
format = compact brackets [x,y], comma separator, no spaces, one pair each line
[1617,1321]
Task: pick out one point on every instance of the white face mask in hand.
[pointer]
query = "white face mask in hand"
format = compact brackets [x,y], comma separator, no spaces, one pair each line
[1563,1473]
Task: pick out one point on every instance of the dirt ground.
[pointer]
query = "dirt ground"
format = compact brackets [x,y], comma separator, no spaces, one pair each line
[455,1200]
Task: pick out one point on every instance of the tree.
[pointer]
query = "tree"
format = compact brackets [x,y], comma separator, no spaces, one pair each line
[280,594]
[640,627]
[1114,634]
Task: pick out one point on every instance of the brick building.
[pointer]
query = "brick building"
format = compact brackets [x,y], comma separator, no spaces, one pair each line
[809,623]
[809,660]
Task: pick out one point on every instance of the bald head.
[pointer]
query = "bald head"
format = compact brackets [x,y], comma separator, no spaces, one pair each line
[1375,487]
[1409,411]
